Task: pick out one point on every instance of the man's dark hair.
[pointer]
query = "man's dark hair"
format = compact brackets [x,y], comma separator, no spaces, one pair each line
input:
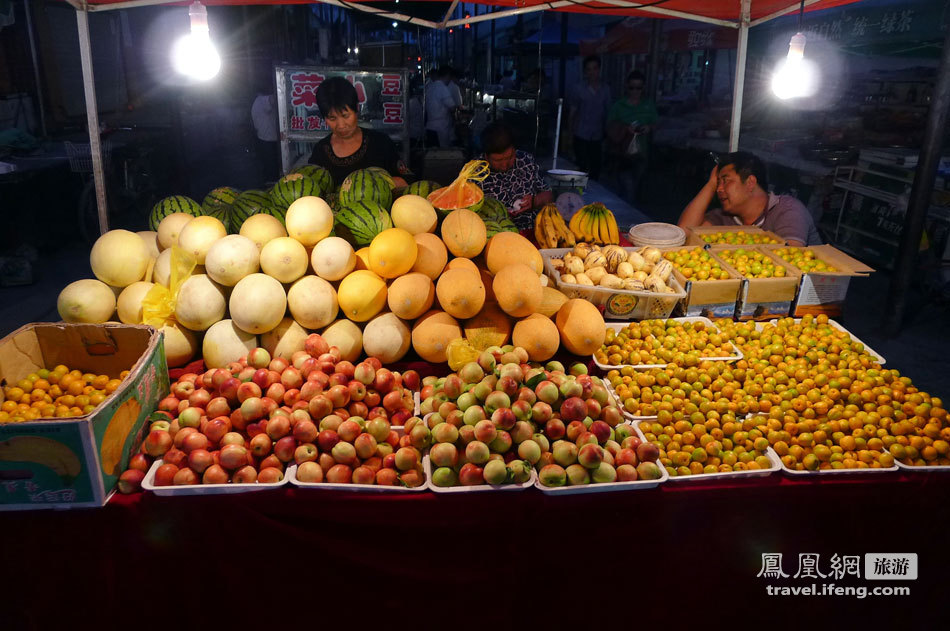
[590,58]
[497,138]
[636,75]
[336,93]
[747,164]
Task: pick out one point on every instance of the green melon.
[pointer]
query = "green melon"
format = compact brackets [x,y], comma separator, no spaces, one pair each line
[364,184]
[358,222]
[493,210]
[493,227]
[292,187]
[318,174]
[382,174]
[218,202]
[422,188]
[170,205]
[250,203]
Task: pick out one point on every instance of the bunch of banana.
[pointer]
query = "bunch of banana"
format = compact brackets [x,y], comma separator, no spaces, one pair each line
[550,231]
[595,224]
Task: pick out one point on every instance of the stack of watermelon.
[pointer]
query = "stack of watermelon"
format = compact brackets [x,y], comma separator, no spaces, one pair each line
[362,211]
[495,216]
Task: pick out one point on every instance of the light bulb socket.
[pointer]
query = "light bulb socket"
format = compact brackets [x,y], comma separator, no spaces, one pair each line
[198,14]
[796,47]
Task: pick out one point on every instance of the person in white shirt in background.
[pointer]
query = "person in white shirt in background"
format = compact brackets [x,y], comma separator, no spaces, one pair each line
[440,109]
[264,117]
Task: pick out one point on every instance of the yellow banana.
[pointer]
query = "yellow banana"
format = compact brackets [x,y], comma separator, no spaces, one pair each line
[613,232]
[547,228]
[584,227]
[43,451]
[575,223]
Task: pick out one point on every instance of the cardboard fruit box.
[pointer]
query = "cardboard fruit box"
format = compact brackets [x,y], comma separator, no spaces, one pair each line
[708,298]
[762,298]
[75,462]
[694,236]
[823,292]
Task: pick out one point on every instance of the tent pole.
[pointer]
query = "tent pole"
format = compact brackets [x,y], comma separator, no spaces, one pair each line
[653,70]
[92,117]
[920,192]
[562,63]
[36,66]
[740,76]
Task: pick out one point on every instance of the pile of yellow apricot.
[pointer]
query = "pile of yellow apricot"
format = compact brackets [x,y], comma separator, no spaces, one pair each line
[56,393]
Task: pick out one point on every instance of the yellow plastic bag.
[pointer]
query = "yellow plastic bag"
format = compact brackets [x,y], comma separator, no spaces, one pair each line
[456,194]
[158,306]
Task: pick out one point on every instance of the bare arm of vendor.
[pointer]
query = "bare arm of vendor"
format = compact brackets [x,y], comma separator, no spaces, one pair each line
[695,212]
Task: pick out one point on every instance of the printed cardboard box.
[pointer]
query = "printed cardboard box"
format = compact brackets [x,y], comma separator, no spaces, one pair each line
[824,292]
[75,462]
[694,236]
[762,298]
[708,298]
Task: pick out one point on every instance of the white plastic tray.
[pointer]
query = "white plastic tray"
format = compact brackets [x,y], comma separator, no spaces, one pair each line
[605,487]
[823,472]
[725,475]
[364,488]
[870,351]
[204,489]
[481,488]
[901,465]
[618,326]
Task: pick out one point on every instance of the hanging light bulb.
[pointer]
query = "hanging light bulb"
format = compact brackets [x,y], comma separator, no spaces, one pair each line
[795,76]
[395,24]
[193,54]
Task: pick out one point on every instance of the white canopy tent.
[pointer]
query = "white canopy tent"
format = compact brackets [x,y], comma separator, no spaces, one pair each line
[738,14]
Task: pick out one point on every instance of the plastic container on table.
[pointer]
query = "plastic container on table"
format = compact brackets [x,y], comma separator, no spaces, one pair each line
[205,489]
[481,488]
[870,351]
[361,488]
[606,487]
[623,304]
[657,234]
[618,326]
[906,467]
[723,475]
[824,472]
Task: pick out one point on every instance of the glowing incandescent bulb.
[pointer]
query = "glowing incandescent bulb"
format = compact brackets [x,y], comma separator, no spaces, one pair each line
[795,76]
[193,54]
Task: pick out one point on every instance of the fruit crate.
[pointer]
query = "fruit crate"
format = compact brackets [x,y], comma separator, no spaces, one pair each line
[618,304]
[617,326]
[694,235]
[76,462]
[709,298]
[761,298]
[357,488]
[148,484]
[481,488]
[873,353]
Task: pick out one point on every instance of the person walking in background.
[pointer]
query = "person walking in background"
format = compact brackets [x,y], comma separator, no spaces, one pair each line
[629,123]
[440,110]
[264,117]
[589,103]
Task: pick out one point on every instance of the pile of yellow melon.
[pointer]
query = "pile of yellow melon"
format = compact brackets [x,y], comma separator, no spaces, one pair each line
[274,283]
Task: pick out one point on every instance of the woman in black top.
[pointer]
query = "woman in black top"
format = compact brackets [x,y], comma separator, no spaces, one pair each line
[350,147]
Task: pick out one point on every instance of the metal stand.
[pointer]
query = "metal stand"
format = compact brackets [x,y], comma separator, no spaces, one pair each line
[92,117]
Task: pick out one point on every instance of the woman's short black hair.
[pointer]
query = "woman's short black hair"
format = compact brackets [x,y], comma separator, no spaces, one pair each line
[336,93]
[497,138]
[747,164]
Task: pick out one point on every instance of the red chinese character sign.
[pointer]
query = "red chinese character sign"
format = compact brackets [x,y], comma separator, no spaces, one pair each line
[382,94]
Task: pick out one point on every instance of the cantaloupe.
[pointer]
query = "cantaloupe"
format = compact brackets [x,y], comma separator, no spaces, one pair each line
[461,293]
[551,301]
[506,248]
[232,258]
[199,235]
[261,228]
[312,302]
[490,327]
[285,259]
[88,301]
[431,255]
[362,294]
[170,227]
[285,339]
[386,337]
[461,263]
[581,326]
[225,342]
[333,258]
[150,238]
[362,258]
[129,305]
[308,220]
[464,233]
[345,335]
[392,252]
[201,302]
[411,295]
[181,345]
[258,303]
[414,214]
[119,258]
[518,290]
[538,335]
[487,280]
[432,334]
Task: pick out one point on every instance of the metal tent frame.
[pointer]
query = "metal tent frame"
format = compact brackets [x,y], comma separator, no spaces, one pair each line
[707,11]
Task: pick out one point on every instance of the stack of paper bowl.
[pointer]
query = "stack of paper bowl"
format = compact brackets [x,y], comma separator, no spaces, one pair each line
[659,235]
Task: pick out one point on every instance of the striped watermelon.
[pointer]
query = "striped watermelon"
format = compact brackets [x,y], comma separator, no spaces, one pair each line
[494,226]
[170,205]
[358,222]
[250,203]
[422,188]
[493,210]
[290,188]
[383,174]
[318,174]
[365,184]
[218,202]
